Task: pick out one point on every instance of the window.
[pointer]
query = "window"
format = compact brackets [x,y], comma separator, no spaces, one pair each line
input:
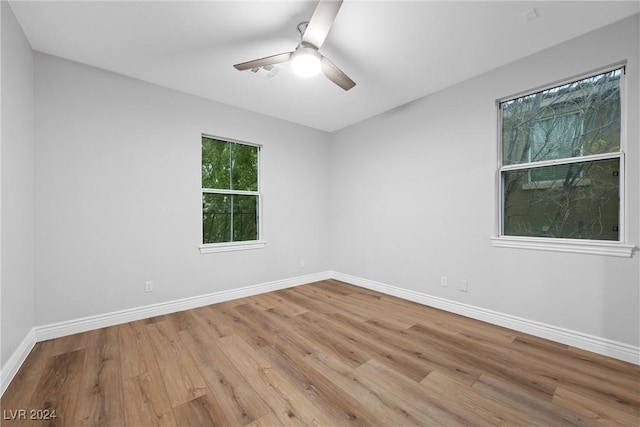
[230,195]
[561,164]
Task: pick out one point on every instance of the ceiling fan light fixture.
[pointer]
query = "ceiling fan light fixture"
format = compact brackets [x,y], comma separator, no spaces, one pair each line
[306,61]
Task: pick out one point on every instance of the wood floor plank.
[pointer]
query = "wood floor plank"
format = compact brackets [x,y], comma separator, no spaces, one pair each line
[364,307]
[135,357]
[382,411]
[330,304]
[406,341]
[470,404]
[101,376]
[327,354]
[182,320]
[254,366]
[332,402]
[374,307]
[317,339]
[146,401]
[59,387]
[340,325]
[311,415]
[611,381]
[66,344]
[204,410]
[407,396]
[211,317]
[283,304]
[496,360]
[594,409]
[224,314]
[537,410]
[293,295]
[270,328]
[240,403]
[260,302]
[268,420]
[182,379]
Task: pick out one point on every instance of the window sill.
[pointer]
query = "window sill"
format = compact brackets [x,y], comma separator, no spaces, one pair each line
[232,246]
[592,247]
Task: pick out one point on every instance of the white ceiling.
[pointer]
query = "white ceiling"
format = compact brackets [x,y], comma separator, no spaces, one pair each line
[396,51]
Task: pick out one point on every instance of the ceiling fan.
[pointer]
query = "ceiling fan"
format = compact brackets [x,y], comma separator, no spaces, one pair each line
[306,58]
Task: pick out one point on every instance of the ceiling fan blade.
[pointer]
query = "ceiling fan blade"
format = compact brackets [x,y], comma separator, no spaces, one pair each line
[336,75]
[321,22]
[269,60]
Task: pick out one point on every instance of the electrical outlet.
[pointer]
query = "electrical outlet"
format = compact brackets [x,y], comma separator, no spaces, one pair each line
[464,286]
[148,286]
[443,281]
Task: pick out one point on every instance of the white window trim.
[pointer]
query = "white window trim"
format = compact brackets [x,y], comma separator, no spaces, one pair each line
[618,248]
[232,246]
[592,247]
[208,248]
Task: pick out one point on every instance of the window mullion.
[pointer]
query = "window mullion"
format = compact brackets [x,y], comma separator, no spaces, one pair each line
[236,192]
[555,162]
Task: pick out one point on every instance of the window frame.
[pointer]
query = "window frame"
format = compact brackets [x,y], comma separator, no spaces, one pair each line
[259,243]
[618,247]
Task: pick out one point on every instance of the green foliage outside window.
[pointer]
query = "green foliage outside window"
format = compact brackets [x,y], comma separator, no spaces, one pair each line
[230,198]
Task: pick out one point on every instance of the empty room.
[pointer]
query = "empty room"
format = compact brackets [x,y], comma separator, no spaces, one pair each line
[328,213]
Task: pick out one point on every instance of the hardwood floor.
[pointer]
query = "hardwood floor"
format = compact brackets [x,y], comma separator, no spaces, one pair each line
[327,354]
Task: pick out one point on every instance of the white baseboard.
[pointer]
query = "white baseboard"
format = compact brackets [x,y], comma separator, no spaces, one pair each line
[614,349]
[10,369]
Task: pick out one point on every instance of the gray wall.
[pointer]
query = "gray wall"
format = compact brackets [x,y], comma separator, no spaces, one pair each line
[414,198]
[118,197]
[16,190]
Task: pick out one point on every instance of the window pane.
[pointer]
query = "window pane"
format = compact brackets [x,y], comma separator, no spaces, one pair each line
[557,137]
[229,218]
[216,218]
[216,170]
[245,218]
[244,172]
[581,201]
[576,119]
